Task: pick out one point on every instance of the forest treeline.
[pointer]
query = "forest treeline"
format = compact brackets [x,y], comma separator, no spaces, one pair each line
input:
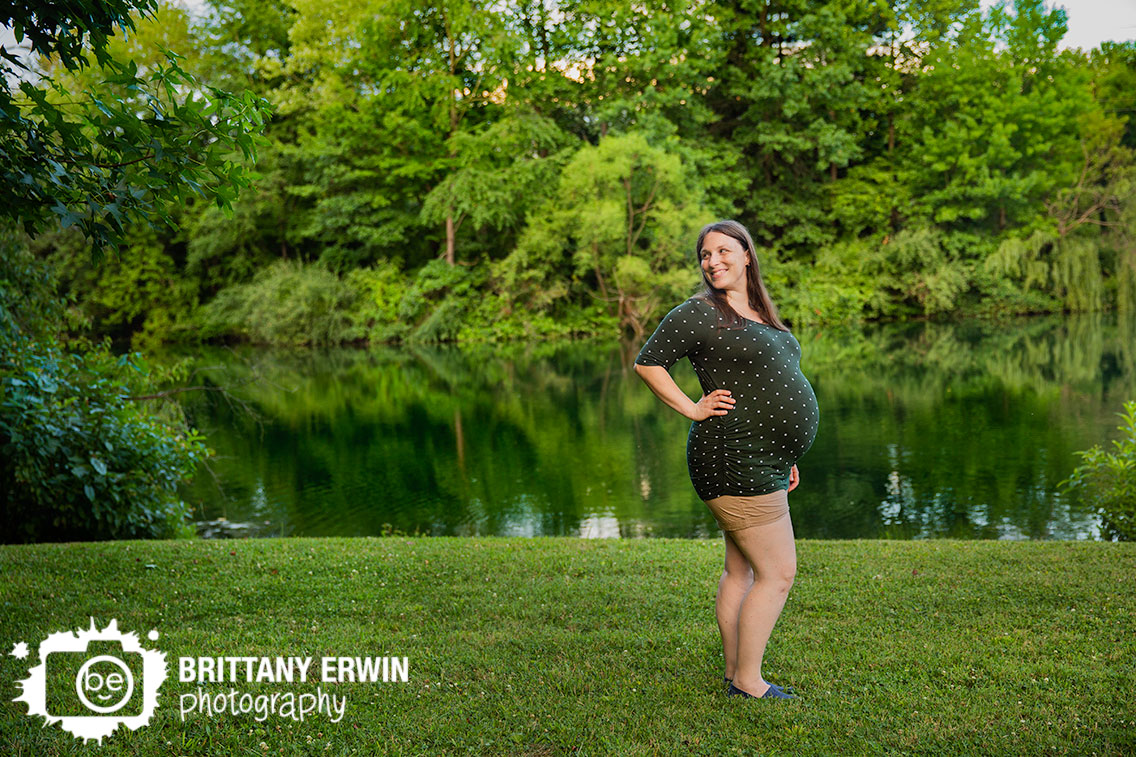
[443,172]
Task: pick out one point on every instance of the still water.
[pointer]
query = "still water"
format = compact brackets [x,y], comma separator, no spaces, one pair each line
[927,430]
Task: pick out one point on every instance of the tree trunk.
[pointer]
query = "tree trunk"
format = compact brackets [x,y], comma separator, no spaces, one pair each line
[599,276]
[450,237]
[451,232]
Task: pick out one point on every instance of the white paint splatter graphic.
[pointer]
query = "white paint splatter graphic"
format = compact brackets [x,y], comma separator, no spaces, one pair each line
[97,727]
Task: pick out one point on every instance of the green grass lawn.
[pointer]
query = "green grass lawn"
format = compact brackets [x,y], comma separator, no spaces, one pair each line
[559,645]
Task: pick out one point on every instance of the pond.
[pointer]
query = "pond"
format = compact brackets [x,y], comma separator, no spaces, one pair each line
[957,430]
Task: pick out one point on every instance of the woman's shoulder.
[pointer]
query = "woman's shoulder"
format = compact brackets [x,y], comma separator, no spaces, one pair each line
[694,306]
[698,303]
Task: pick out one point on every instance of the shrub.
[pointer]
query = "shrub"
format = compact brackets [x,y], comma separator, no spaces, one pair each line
[286,303]
[80,460]
[378,291]
[1108,480]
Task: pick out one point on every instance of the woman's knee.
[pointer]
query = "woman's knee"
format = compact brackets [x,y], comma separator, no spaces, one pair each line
[780,576]
[787,575]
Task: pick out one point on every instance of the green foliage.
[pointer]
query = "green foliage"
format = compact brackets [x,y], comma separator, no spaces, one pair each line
[102,153]
[81,459]
[137,292]
[922,271]
[499,172]
[287,303]
[65,29]
[834,290]
[378,290]
[1108,479]
[997,295]
[437,300]
[448,303]
[988,135]
[792,92]
[923,267]
[619,221]
[892,160]
[1069,267]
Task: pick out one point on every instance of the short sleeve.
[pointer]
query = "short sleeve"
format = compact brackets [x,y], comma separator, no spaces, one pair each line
[680,333]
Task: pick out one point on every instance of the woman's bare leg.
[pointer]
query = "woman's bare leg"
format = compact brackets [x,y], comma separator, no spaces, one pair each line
[737,577]
[772,553]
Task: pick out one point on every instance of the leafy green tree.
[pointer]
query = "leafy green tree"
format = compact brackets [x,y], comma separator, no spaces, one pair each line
[874,197]
[616,226]
[990,128]
[1089,234]
[93,161]
[242,44]
[498,173]
[792,90]
[1114,84]
[898,158]
[81,458]
[398,85]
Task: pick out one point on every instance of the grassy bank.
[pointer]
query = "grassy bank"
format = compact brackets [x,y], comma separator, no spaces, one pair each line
[552,645]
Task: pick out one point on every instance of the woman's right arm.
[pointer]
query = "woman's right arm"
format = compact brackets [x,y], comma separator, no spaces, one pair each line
[717,402]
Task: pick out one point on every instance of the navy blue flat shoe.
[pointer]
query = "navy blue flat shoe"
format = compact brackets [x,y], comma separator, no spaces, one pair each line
[772,693]
[788,689]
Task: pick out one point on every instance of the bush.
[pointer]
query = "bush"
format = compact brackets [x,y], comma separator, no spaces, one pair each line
[1108,480]
[286,303]
[441,299]
[80,459]
[378,290]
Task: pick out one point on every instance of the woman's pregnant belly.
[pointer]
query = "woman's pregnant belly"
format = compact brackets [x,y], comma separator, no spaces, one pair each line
[751,448]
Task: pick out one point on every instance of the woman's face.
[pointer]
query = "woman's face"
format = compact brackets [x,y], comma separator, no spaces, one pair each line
[724,261]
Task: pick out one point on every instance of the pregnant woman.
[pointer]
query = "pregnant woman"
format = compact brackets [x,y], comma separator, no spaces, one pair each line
[757,416]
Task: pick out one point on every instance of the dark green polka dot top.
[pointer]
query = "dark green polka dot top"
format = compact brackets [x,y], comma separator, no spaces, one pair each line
[751,448]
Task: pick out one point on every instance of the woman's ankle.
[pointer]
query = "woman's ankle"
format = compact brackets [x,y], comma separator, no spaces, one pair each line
[757,687]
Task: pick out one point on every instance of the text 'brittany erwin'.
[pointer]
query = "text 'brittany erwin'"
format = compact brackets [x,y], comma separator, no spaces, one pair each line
[291,669]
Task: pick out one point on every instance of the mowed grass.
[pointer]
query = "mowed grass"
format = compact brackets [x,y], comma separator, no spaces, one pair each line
[562,645]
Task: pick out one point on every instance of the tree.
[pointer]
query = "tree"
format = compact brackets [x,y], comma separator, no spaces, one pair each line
[791,95]
[151,138]
[81,458]
[616,224]
[497,173]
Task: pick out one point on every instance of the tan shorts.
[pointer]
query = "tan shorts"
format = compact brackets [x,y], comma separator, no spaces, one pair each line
[735,513]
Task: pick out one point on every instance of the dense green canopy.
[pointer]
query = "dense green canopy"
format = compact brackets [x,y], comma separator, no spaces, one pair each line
[892,158]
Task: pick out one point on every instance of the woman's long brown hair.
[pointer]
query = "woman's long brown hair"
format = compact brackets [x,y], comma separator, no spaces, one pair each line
[759,298]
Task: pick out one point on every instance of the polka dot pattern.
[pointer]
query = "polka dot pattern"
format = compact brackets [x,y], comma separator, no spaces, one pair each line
[773,422]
